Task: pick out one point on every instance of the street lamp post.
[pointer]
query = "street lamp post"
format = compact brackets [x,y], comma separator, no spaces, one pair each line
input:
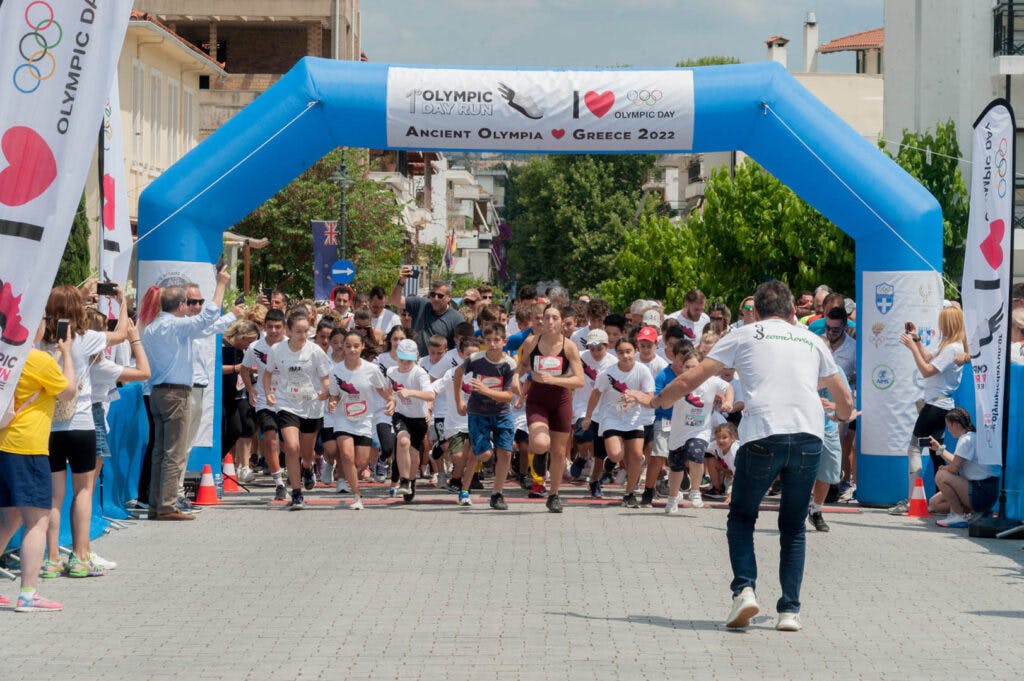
[344,181]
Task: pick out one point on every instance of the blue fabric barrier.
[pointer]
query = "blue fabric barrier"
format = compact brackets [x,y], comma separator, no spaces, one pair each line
[1015,446]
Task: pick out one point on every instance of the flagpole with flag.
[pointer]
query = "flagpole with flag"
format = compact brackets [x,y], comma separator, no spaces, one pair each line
[449,253]
[985,292]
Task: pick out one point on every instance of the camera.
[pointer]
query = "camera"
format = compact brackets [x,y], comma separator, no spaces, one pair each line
[63,325]
[923,442]
[106,288]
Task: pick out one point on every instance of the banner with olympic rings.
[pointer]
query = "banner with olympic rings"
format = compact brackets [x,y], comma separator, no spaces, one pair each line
[57,61]
[115,257]
[553,111]
[985,290]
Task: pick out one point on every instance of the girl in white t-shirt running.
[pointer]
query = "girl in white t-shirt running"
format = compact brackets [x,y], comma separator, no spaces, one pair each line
[622,418]
[382,425]
[296,382]
[941,373]
[411,385]
[691,432]
[354,383]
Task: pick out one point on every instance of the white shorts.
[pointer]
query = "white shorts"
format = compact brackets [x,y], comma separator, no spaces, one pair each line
[662,431]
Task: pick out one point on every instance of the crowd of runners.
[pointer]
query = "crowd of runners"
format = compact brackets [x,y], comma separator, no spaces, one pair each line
[552,391]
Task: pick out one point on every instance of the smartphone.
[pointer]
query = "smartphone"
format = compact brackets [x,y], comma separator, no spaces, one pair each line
[106,288]
[62,328]
[909,327]
[240,300]
[267,292]
[923,442]
[220,262]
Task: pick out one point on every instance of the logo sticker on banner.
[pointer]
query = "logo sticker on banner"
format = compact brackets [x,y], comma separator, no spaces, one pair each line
[58,61]
[569,111]
[884,295]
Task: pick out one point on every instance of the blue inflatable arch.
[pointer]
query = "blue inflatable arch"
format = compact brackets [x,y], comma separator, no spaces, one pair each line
[759,109]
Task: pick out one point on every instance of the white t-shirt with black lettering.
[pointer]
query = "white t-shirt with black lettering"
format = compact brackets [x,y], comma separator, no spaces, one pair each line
[612,383]
[296,378]
[357,392]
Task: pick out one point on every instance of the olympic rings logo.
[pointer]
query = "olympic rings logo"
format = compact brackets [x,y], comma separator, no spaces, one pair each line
[644,97]
[35,47]
[1001,166]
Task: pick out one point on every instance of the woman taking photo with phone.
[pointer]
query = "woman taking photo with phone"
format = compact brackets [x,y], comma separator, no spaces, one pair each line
[941,374]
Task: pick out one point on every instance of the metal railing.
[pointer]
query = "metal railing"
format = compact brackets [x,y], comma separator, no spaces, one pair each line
[1008,28]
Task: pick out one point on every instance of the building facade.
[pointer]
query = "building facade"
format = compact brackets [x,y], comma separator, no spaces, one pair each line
[258,41]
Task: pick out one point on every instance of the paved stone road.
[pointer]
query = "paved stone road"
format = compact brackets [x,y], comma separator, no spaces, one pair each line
[431,591]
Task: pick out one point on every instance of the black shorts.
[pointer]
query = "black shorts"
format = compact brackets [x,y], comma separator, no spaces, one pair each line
[357,440]
[76,448]
[648,434]
[286,419]
[625,434]
[246,415]
[521,437]
[416,427]
[931,422]
[266,420]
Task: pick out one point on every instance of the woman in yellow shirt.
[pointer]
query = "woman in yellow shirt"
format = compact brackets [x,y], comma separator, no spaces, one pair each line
[26,491]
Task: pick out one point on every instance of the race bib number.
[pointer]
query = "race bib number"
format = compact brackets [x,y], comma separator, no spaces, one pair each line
[666,426]
[621,406]
[492,382]
[548,364]
[354,410]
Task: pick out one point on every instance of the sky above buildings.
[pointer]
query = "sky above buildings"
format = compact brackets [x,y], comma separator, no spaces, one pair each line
[595,33]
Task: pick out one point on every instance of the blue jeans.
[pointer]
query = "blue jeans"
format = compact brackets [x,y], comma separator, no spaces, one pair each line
[795,457]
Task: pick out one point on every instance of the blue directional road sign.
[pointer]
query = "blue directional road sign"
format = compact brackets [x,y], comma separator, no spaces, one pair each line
[343,271]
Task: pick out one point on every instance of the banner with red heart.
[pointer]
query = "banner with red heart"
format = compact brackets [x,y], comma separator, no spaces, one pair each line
[48,131]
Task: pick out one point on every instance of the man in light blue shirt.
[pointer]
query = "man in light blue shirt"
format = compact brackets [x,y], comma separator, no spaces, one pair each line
[168,343]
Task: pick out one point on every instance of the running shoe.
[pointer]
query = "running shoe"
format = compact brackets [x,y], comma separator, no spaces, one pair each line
[629,501]
[308,478]
[818,521]
[281,493]
[433,479]
[661,487]
[596,491]
[537,491]
[525,481]
[327,473]
[405,488]
[475,483]
[392,491]
[365,474]
[407,498]
[464,499]
[102,562]
[342,487]
[954,520]
[52,569]
[498,502]
[380,472]
[357,505]
[80,568]
[576,469]
[647,498]
[672,505]
[33,602]
[744,607]
[901,508]
[297,503]
[554,504]
[695,499]
[454,485]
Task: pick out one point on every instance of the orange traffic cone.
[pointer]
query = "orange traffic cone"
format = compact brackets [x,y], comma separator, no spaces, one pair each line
[918,502]
[207,494]
[230,477]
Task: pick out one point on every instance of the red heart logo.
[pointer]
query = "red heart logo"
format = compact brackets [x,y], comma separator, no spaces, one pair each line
[32,167]
[108,202]
[599,104]
[558,133]
[992,246]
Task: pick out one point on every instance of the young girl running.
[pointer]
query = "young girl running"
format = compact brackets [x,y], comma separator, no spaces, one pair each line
[555,370]
[335,353]
[296,382]
[382,425]
[411,384]
[622,418]
[691,432]
[354,382]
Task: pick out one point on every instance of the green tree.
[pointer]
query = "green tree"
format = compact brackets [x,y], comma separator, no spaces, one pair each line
[752,228]
[933,160]
[706,61]
[74,264]
[569,215]
[375,238]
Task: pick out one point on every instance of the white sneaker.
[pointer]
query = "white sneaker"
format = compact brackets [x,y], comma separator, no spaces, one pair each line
[102,562]
[356,505]
[788,621]
[672,505]
[327,473]
[433,479]
[744,607]
[405,488]
[342,487]
[695,499]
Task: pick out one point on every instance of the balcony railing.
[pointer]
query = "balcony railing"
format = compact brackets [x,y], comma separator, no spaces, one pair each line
[1008,28]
